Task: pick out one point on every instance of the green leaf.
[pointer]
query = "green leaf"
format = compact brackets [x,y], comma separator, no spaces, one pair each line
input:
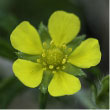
[93,93]
[47,76]
[102,99]
[27,56]
[105,85]
[43,31]
[9,88]
[71,69]
[84,98]
[76,42]
[94,70]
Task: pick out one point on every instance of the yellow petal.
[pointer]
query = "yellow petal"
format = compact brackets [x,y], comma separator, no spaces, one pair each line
[63,84]
[25,38]
[87,54]
[29,73]
[63,27]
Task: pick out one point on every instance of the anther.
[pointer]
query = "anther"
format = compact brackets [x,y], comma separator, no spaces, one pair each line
[64,61]
[53,71]
[63,67]
[69,50]
[58,68]
[44,63]
[38,60]
[66,56]
[51,66]
[52,42]
[64,46]
[43,55]
[44,44]
[44,68]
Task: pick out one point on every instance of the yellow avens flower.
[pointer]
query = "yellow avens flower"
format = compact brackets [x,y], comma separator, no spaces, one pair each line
[63,27]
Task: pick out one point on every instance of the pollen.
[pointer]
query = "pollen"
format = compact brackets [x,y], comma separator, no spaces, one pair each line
[51,66]
[64,61]
[54,57]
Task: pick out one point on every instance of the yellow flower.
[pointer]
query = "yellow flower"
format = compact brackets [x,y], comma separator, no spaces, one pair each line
[63,27]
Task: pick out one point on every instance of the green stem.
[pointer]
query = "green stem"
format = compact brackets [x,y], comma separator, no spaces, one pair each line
[43,100]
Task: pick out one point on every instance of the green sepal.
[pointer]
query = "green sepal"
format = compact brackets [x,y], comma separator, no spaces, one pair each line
[76,42]
[24,56]
[71,69]
[43,32]
[47,76]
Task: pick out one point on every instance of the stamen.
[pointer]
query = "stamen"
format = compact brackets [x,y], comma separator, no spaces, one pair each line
[52,42]
[63,67]
[38,60]
[69,50]
[53,71]
[44,45]
[64,61]
[64,46]
[54,57]
[44,64]
[66,56]
[44,68]
[58,68]
[43,55]
[51,66]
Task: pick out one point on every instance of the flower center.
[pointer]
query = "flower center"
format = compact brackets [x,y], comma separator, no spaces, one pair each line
[54,58]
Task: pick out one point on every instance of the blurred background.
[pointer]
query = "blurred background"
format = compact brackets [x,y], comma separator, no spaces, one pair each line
[94,16]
